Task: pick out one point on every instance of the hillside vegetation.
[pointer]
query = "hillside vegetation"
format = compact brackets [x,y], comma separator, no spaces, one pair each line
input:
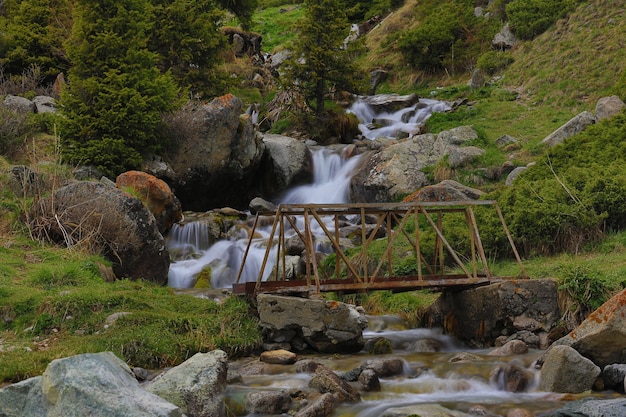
[567,212]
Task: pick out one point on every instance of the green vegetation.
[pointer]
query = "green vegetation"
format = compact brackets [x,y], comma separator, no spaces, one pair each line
[529,18]
[55,303]
[321,63]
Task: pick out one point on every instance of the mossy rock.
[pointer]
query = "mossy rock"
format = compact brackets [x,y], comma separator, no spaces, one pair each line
[203,280]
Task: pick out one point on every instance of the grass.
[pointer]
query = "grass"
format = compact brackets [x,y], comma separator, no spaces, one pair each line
[54,303]
[278,25]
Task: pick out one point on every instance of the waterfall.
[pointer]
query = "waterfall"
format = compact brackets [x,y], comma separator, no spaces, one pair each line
[405,121]
[189,243]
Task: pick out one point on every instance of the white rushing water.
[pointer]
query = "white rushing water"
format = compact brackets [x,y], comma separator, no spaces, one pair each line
[189,242]
[406,121]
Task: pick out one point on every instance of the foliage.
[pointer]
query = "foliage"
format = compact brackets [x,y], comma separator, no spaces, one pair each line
[189,43]
[572,194]
[32,33]
[449,37]
[529,18]
[493,61]
[321,63]
[116,96]
[55,304]
[278,25]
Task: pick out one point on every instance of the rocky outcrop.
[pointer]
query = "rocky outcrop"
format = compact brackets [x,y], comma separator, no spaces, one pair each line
[324,325]
[105,219]
[479,316]
[609,107]
[95,384]
[287,162]
[566,371]
[218,154]
[19,104]
[602,336]
[505,39]
[196,385]
[574,126]
[447,190]
[397,169]
[590,407]
[155,194]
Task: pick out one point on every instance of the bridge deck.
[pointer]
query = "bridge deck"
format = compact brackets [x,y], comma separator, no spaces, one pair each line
[359,275]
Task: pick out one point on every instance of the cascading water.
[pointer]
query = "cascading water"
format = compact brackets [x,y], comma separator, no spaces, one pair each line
[393,124]
[189,243]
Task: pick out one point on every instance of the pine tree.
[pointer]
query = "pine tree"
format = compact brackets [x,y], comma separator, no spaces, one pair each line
[322,61]
[116,95]
[189,42]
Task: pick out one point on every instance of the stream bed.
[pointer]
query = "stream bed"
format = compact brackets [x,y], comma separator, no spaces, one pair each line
[455,381]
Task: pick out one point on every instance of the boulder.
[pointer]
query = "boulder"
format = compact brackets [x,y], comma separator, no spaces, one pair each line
[390,103]
[510,179]
[590,407]
[97,384]
[513,347]
[566,371]
[268,402]
[462,156]
[505,140]
[505,39]
[511,378]
[105,219]
[258,204]
[44,104]
[447,190]
[322,407]
[23,398]
[326,380]
[480,315]
[574,126]
[196,385]
[609,107]
[287,162]
[155,194]
[278,356]
[614,376]
[19,104]
[385,367]
[325,325]
[218,154]
[368,380]
[422,410]
[601,337]
[397,169]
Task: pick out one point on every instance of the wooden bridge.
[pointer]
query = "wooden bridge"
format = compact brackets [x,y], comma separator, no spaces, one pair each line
[435,262]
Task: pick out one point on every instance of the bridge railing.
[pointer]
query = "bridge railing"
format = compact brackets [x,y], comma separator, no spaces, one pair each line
[436,264]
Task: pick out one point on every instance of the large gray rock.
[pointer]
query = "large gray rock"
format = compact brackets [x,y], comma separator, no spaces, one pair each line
[44,104]
[609,107]
[268,402]
[614,376]
[590,407]
[423,410]
[287,162]
[397,169]
[326,326]
[566,371]
[103,218]
[602,336]
[217,155]
[505,39]
[196,385]
[23,399]
[326,380]
[19,104]
[98,384]
[574,126]
[479,316]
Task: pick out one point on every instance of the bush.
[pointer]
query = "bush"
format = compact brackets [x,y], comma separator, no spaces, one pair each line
[493,61]
[530,18]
